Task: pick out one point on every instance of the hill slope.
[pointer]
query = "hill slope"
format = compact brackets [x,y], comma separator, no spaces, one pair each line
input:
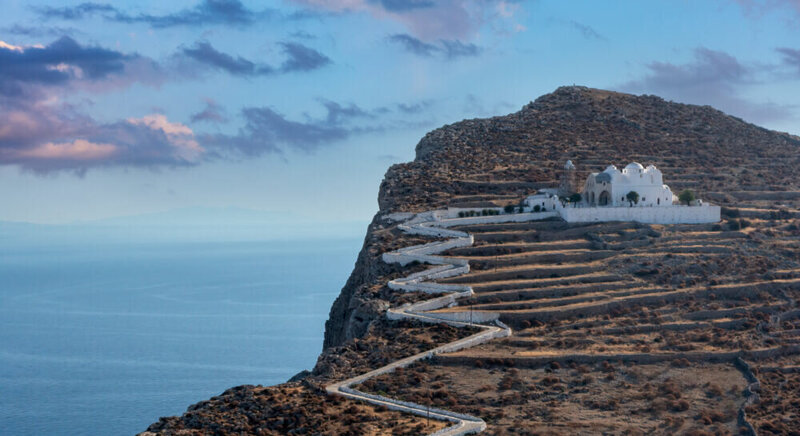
[553,280]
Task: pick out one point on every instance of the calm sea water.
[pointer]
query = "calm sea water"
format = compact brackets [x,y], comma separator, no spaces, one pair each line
[105,338]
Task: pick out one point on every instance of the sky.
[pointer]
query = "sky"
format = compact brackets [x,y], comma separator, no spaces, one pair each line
[300,106]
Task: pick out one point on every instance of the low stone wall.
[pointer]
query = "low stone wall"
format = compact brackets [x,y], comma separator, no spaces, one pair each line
[496,219]
[478,316]
[674,214]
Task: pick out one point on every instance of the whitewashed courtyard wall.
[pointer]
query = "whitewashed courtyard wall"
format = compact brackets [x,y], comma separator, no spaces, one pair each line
[674,214]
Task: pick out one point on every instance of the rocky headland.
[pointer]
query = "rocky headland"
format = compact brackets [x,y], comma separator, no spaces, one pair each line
[591,305]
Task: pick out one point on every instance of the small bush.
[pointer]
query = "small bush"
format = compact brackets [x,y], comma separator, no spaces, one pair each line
[679,406]
[537,208]
[509,208]
[730,212]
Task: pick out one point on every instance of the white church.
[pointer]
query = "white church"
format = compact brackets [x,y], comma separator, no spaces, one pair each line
[611,187]
[604,197]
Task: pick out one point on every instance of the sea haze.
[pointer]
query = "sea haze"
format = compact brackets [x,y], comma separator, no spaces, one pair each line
[102,331]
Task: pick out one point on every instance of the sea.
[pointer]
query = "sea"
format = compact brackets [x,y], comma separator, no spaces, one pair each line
[103,337]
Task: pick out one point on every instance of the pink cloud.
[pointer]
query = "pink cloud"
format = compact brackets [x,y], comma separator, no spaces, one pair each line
[179,135]
[80,149]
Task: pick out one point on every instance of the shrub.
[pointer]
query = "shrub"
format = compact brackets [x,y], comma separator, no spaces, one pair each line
[730,212]
[509,208]
[679,406]
[462,214]
[537,208]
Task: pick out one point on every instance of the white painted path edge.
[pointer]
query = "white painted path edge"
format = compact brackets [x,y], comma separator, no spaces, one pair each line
[428,224]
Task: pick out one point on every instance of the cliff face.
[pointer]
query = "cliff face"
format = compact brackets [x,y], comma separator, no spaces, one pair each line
[504,158]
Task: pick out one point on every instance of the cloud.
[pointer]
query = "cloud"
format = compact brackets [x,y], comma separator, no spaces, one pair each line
[302,58]
[65,62]
[207,12]
[77,12]
[338,113]
[212,113]
[204,53]
[42,132]
[712,78]
[588,32]
[429,20]
[755,8]
[39,31]
[414,45]
[791,58]
[267,131]
[299,58]
[45,139]
[77,150]
[414,108]
[447,49]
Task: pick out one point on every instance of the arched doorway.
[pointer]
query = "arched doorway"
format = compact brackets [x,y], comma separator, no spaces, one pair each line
[604,198]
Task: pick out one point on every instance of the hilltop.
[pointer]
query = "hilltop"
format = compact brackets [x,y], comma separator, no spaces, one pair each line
[619,327]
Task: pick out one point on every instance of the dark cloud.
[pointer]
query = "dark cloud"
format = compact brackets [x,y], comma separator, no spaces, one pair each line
[588,32]
[212,113]
[448,49]
[414,108]
[77,12]
[338,113]
[302,58]
[207,12]
[414,45]
[299,58]
[204,53]
[713,78]
[301,34]
[456,49]
[40,31]
[791,57]
[64,61]
[267,131]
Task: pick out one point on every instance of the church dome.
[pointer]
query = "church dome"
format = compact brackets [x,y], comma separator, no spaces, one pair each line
[634,166]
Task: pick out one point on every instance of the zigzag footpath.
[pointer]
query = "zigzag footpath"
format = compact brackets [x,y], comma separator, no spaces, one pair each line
[429,224]
[434,225]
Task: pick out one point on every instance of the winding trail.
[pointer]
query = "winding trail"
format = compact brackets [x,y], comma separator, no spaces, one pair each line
[428,224]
